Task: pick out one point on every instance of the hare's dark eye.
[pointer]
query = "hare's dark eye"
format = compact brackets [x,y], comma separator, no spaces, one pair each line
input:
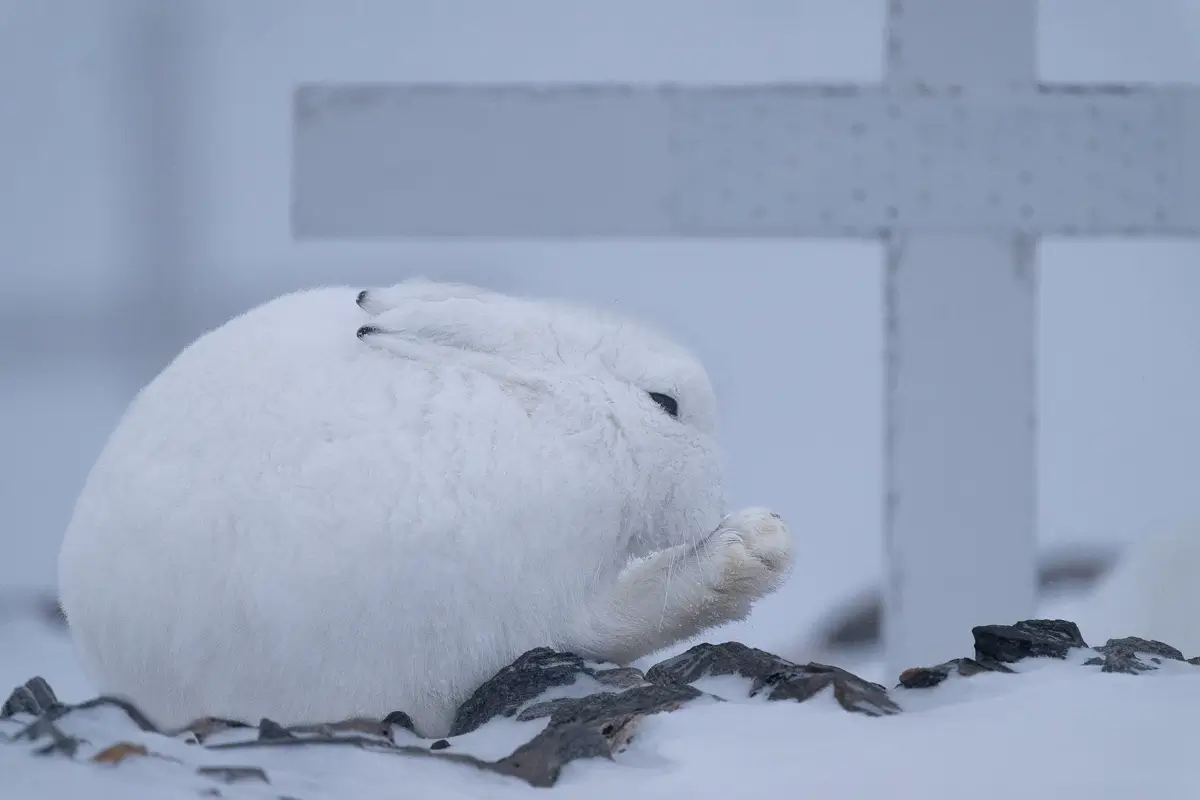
[667,402]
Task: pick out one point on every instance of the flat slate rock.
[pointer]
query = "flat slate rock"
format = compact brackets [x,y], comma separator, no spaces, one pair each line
[1121,655]
[779,678]
[596,726]
[648,699]
[520,682]
[531,676]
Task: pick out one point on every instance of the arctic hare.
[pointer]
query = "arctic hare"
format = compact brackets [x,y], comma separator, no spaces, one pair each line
[349,503]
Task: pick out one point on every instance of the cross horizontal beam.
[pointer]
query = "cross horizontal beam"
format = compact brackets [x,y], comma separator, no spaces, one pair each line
[381,161]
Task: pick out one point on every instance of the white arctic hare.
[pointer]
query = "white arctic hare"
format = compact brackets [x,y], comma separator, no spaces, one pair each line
[325,509]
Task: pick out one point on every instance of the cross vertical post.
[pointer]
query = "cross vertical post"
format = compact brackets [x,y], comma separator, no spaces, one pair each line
[960,456]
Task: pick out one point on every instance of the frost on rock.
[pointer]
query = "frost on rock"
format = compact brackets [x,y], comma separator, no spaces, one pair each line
[563,707]
[1121,655]
[529,677]
[778,677]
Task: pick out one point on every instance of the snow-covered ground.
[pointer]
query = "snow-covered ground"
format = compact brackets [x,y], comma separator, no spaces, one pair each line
[1054,730]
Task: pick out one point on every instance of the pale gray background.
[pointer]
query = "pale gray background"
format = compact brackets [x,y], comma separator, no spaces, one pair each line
[147,151]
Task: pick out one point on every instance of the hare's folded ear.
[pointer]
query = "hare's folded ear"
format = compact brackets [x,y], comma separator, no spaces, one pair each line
[382,299]
[476,325]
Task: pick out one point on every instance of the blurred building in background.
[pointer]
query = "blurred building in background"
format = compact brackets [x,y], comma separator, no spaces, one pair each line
[144,197]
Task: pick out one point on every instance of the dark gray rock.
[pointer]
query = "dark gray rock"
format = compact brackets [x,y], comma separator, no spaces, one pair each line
[270,729]
[540,762]
[129,709]
[596,726]
[400,720]
[515,685]
[618,677]
[928,677]
[780,678]
[647,699]
[34,697]
[850,691]
[1033,638]
[729,658]
[529,677]
[1121,655]
[233,774]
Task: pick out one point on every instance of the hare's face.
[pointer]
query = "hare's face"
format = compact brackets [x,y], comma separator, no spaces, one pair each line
[670,409]
[656,393]
[662,400]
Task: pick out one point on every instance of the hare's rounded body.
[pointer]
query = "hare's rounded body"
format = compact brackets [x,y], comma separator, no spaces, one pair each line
[325,509]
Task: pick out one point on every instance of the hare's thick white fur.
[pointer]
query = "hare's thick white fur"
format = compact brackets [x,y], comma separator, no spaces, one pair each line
[1153,592]
[326,508]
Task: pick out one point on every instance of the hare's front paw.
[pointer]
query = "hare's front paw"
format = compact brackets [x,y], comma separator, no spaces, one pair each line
[749,555]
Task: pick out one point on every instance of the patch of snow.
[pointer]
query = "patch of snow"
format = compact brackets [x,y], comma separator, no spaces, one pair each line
[498,737]
[1055,729]
[729,687]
